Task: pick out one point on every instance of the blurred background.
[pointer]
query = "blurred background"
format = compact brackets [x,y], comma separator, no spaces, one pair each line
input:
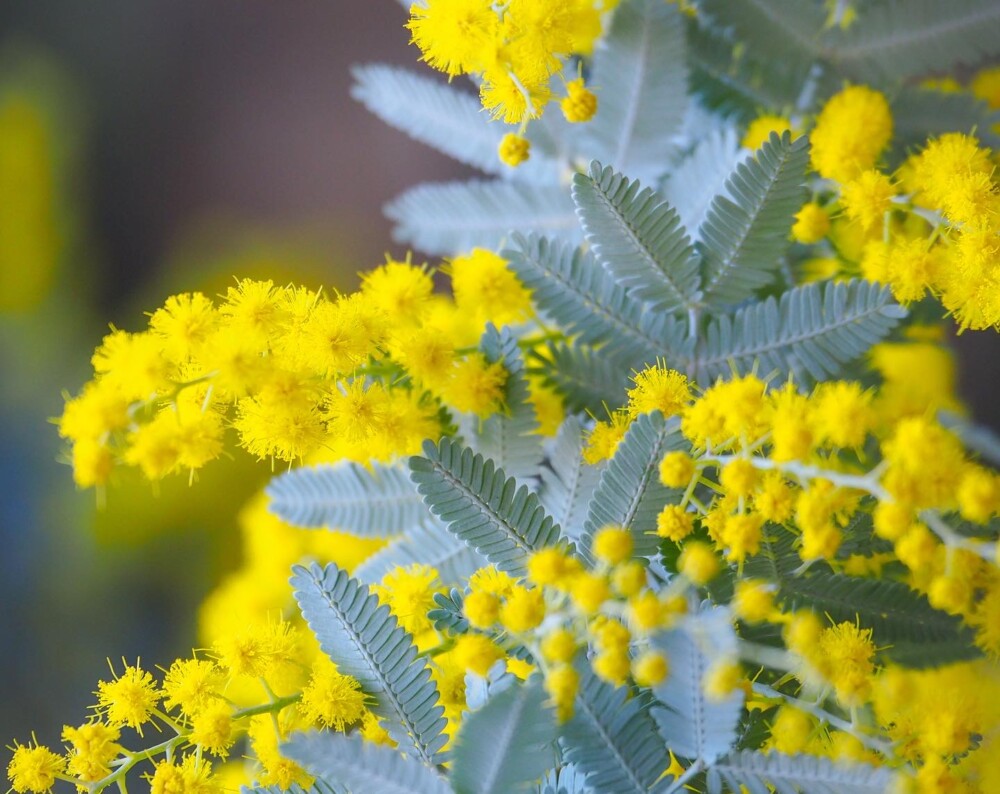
[149,147]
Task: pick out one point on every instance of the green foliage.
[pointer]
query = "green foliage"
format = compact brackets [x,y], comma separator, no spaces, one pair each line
[481,505]
[427,543]
[507,745]
[903,623]
[693,726]
[374,501]
[808,774]
[743,239]
[362,637]
[568,481]
[588,380]
[809,333]
[640,68]
[457,216]
[638,237]
[362,766]
[448,614]
[698,178]
[508,437]
[568,780]
[612,739]
[577,294]
[630,494]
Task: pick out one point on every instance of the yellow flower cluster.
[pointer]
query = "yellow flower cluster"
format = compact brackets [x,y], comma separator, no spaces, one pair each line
[256,685]
[932,226]
[515,47]
[297,374]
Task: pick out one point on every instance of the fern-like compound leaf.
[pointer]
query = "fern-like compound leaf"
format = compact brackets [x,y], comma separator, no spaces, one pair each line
[567,780]
[364,640]
[612,739]
[810,333]
[362,766]
[696,180]
[571,288]
[444,219]
[759,773]
[630,493]
[568,481]
[693,726]
[588,380]
[890,42]
[447,615]
[480,504]
[641,72]
[508,744]
[509,437]
[743,237]
[428,543]
[431,111]
[375,501]
[319,786]
[920,113]
[638,237]
[909,630]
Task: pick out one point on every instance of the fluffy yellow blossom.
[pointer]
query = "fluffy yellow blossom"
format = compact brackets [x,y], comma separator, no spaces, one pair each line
[605,437]
[409,592]
[842,413]
[258,650]
[738,477]
[487,288]
[192,684]
[698,562]
[331,699]
[561,684]
[676,469]
[482,610]
[513,149]
[559,646]
[650,669]
[613,544]
[212,728]
[475,385]
[851,131]
[553,566]
[476,653]
[191,776]
[454,36]
[812,223]
[658,389]
[867,198]
[129,699]
[580,104]
[34,769]
[760,130]
[523,610]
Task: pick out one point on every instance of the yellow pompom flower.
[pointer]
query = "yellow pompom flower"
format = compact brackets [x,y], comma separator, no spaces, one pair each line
[658,389]
[454,35]
[561,683]
[738,477]
[791,730]
[487,288]
[490,580]
[891,520]
[741,535]
[698,562]
[851,131]
[812,223]
[613,544]
[482,610]
[612,666]
[191,775]
[183,324]
[589,591]
[846,658]
[650,669]
[129,699]
[34,769]
[133,364]
[523,610]
[212,729]
[559,646]
[192,684]
[676,469]
[605,437]
[475,385]
[842,413]
[722,679]
[753,601]
[986,86]
[646,612]
[94,746]
[409,592]
[477,653]
[258,650]
[979,495]
[580,104]
[774,500]
[513,149]
[553,566]
[629,578]
[399,290]
[331,699]
[792,436]
[867,198]
[760,130]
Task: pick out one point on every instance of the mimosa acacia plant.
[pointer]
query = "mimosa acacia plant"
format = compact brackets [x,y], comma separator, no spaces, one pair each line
[672,492]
